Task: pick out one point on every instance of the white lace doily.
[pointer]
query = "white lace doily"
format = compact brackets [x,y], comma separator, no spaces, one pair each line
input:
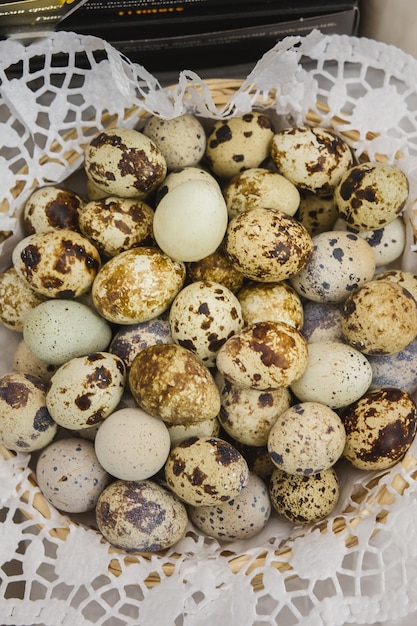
[359,566]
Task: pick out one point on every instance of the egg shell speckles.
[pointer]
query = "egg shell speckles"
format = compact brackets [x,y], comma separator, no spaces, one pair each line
[172,383]
[317,213]
[276,302]
[336,374]
[216,267]
[304,499]
[340,263]
[25,422]
[137,285]
[132,445]
[243,517]
[140,516]
[69,475]
[182,139]
[380,428]
[314,159]
[371,195]
[248,415]
[124,162]
[380,318]
[395,370]
[86,389]
[51,207]
[204,471]
[265,355]
[203,316]
[16,299]
[258,187]
[307,438]
[57,263]
[407,280]
[266,245]
[239,143]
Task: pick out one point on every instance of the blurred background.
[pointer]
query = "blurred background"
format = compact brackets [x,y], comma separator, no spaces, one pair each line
[391,21]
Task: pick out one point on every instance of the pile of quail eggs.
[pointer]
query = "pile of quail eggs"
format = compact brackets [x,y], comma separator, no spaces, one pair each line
[210,329]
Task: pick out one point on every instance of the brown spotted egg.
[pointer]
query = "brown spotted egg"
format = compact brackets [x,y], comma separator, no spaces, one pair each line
[206,471]
[379,318]
[304,499]
[267,245]
[264,355]
[125,163]
[371,195]
[277,302]
[140,516]
[203,316]
[317,213]
[51,207]
[239,143]
[85,390]
[17,298]
[216,267]
[58,263]
[380,428]
[25,422]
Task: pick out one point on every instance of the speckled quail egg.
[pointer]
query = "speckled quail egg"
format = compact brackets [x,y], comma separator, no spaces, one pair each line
[209,427]
[117,224]
[172,383]
[340,263]
[203,316]
[239,143]
[266,245]
[182,175]
[408,280]
[25,422]
[322,321]
[243,517]
[125,163]
[17,298]
[260,187]
[51,207]
[371,195]
[307,438]
[70,476]
[271,302]
[140,516]
[395,370]
[205,471]
[86,389]
[137,285]
[181,139]
[380,428]
[216,267]
[58,263]
[317,213]
[58,330]
[336,374]
[379,318]
[248,415]
[313,158]
[25,362]
[264,355]
[304,499]
[132,445]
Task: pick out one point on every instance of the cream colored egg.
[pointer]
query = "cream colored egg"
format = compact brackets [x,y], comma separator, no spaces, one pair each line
[17,298]
[182,175]
[51,207]
[276,302]
[190,221]
[181,139]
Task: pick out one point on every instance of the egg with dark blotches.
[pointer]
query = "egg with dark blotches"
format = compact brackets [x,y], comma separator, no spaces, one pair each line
[51,207]
[216,267]
[317,213]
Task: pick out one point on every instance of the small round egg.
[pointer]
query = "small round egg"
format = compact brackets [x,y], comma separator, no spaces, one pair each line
[58,263]
[51,207]
[70,476]
[203,316]
[395,370]
[17,298]
[371,195]
[313,158]
[307,438]
[181,139]
[276,302]
[217,267]
[316,213]
[380,428]
[336,374]
[266,245]
[264,355]
[125,163]
[339,264]
[25,362]
[25,422]
[241,518]
[304,499]
[137,285]
[132,445]
[190,220]
[260,187]
[140,516]
[206,471]
[86,389]
[379,318]
[322,321]
[172,383]
[58,330]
